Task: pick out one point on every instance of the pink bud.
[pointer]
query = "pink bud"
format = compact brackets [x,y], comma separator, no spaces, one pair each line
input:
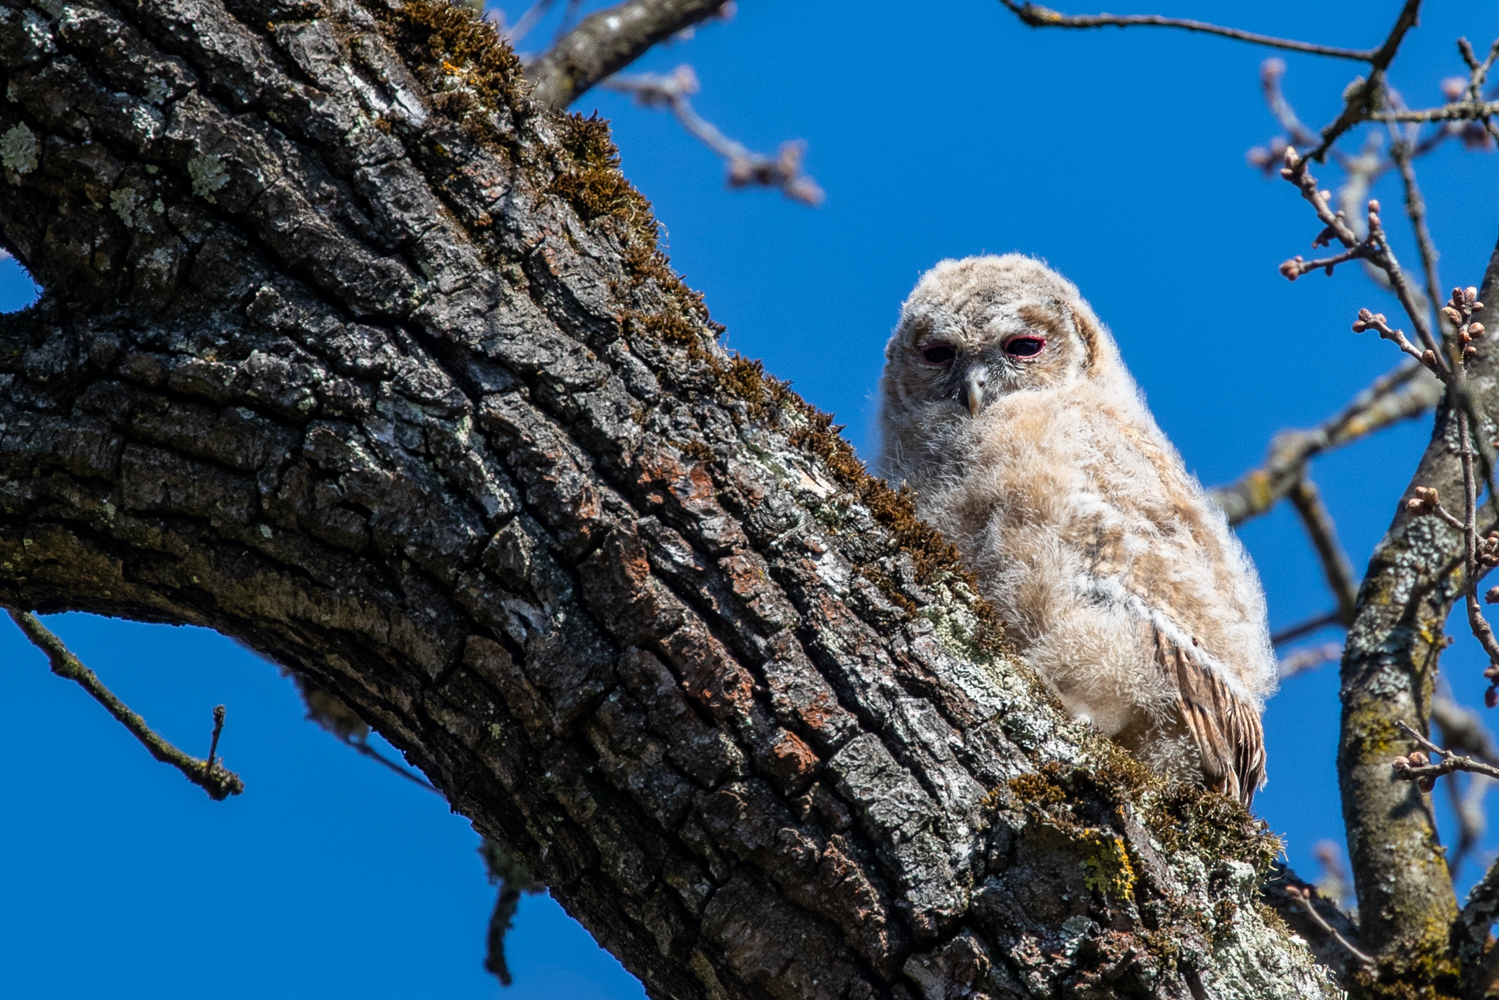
[1491,698]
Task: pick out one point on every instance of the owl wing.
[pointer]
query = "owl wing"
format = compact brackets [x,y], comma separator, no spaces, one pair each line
[1225,727]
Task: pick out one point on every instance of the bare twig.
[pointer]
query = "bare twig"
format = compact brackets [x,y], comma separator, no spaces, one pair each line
[606,42]
[746,168]
[1333,617]
[1308,904]
[512,880]
[1336,882]
[1405,392]
[533,15]
[334,715]
[1458,111]
[209,775]
[1038,16]
[1401,152]
[1376,249]
[1324,535]
[363,748]
[1376,321]
[1360,98]
[1463,729]
[1309,658]
[1418,768]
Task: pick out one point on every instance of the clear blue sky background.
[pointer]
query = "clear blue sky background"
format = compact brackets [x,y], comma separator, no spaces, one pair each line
[938,130]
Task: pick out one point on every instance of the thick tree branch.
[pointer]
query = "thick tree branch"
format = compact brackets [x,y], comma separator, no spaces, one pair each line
[1389,664]
[606,42]
[209,775]
[398,389]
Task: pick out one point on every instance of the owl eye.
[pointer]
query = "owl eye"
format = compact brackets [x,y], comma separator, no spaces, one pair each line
[939,354]
[1025,347]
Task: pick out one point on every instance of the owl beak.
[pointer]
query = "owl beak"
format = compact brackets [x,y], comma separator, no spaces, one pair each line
[974,389]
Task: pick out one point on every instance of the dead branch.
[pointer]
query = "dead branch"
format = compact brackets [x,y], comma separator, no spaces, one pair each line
[1407,391]
[745,168]
[1317,520]
[1309,658]
[1402,152]
[209,775]
[606,42]
[1307,901]
[1300,629]
[1038,16]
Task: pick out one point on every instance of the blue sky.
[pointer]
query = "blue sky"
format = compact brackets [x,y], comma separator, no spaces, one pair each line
[937,130]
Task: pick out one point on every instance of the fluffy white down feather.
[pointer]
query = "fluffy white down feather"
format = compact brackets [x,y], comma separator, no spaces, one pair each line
[1076,514]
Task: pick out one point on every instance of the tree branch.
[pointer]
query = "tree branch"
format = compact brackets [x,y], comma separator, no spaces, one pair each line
[416,406]
[1407,391]
[1038,16]
[606,42]
[1317,520]
[745,168]
[1388,675]
[209,775]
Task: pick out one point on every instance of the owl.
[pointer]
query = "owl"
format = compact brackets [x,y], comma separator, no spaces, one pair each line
[1006,407]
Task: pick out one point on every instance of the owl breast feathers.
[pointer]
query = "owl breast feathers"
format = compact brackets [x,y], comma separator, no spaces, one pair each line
[1006,407]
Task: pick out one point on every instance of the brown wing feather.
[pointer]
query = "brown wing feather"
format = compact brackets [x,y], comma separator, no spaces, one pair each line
[1226,729]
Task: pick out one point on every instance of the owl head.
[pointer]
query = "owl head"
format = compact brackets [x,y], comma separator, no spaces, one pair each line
[977,328]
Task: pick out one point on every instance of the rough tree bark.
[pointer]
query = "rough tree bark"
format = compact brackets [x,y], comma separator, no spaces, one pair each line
[351,351]
[1407,907]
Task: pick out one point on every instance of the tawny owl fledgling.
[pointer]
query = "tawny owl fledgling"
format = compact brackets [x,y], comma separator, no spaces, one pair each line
[1005,405]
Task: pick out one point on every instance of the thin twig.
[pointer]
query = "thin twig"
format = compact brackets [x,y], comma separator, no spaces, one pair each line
[746,168]
[1310,658]
[209,775]
[1478,71]
[1415,208]
[1376,249]
[1333,617]
[1359,99]
[1417,768]
[1305,900]
[361,747]
[1405,392]
[1378,322]
[1038,16]
[527,21]
[1457,111]
[1317,520]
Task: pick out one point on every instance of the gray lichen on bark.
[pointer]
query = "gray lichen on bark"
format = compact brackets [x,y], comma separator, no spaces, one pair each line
[415,407]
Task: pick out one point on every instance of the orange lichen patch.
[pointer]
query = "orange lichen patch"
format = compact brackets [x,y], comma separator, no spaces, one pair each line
[709,674]
[796,759]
